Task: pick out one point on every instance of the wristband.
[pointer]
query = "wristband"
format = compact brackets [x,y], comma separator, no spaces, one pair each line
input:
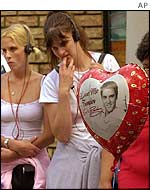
[6,141]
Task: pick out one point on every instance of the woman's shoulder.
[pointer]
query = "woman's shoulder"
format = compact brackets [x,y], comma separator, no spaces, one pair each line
[52,75]
[96,55]
[51,79]
[37,75]
[3,78]
[37,78]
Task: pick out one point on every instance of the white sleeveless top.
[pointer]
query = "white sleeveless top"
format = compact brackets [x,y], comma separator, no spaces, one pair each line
[30,119]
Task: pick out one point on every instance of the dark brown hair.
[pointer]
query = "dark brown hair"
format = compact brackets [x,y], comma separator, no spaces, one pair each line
[142,52]
[57,23]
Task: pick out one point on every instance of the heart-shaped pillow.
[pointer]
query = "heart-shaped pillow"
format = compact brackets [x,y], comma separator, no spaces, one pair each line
[114,106]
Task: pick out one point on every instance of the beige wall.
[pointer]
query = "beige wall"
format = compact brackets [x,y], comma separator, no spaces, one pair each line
[137,26]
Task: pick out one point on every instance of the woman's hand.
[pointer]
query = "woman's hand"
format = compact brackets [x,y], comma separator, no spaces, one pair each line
[8,155]
[24,148]
[66,71]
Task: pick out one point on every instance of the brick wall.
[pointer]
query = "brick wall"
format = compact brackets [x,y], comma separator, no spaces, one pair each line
[91,21]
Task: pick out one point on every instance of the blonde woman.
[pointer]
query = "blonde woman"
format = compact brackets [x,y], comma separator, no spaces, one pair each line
[22,137]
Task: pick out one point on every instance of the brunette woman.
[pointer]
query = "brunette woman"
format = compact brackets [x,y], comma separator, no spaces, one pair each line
[76,160]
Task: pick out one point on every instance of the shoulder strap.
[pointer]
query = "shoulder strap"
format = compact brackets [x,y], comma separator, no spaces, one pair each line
[57,68]
[101,58]
[42,79]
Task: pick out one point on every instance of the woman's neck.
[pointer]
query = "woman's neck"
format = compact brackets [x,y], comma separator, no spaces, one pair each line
[83,61]
[19,75]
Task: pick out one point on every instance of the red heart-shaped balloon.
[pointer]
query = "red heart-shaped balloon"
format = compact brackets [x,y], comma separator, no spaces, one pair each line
[114,106]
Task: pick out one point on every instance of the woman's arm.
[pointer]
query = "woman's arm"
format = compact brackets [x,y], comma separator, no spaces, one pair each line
[46,137]
[24,148]
[8,155]
[60,118]
[59,114]
[106,174]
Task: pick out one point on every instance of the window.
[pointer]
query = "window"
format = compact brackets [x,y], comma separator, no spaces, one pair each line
[114,26]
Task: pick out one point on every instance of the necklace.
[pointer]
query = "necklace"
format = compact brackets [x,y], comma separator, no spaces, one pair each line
[15,115]
[12,93]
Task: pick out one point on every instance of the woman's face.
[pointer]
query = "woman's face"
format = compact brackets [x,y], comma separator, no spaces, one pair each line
[65,48]
[14,53]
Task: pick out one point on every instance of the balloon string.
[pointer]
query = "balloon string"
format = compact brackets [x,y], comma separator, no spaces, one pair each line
[115,169]
[114,165]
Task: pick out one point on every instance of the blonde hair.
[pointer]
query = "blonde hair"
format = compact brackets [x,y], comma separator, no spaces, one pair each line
[21,34]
